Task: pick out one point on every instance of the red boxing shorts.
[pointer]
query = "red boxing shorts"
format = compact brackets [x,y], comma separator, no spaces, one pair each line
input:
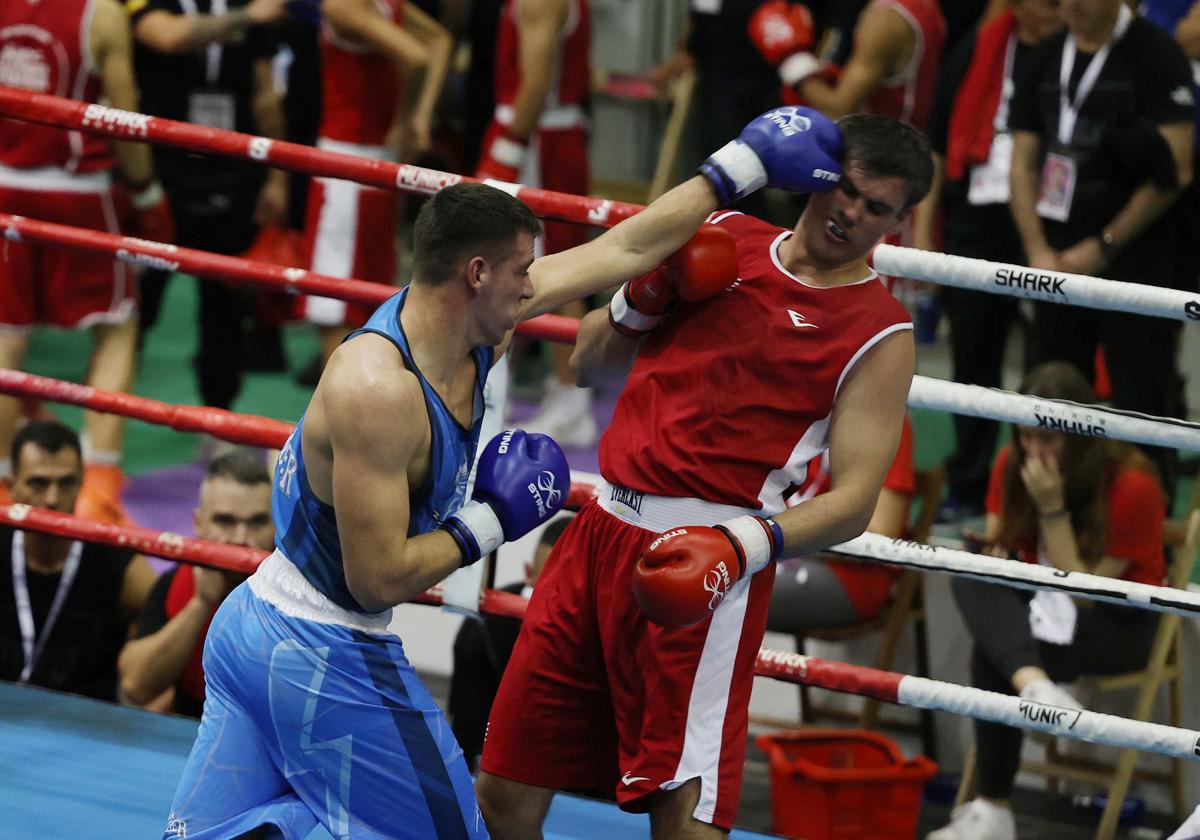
[63,287]
[349,232]
[597,697]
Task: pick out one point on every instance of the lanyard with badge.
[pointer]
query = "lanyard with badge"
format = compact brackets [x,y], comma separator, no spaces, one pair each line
[32,643]
[212,107]
[989,181]
[1061,170]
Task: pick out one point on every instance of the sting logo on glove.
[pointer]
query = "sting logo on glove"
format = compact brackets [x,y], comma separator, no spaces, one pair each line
[789,120]
[717,583]
[545,485]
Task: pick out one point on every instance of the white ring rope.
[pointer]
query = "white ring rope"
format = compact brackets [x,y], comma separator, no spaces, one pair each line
[1056,415]
[914,555]
[1035,283]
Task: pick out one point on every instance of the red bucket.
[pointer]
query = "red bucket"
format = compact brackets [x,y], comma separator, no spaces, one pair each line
[829,784]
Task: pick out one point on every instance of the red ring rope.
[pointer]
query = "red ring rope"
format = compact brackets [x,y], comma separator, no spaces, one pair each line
[127,125]
[221,267]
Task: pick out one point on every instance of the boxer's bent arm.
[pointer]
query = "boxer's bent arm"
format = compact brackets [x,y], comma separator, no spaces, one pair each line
[375,424]
[863,436]
[361,21]
[633,247]
[601,353]
[539,23]
[882,44]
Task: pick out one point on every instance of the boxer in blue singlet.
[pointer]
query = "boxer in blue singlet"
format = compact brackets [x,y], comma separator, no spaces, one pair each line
[313,713]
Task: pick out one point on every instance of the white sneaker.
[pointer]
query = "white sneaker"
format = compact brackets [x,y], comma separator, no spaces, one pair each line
[1050,693]
[978,819]
[566,416]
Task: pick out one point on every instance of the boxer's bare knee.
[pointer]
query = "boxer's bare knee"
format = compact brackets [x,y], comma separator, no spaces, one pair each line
[512,810]
[671,816]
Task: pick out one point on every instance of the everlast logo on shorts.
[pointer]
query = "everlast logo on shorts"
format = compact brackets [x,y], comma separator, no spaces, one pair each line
[1192,309]
[630,498]
[1052,715]
[1071,427]
[716,583]
[1023,278]
[130,124]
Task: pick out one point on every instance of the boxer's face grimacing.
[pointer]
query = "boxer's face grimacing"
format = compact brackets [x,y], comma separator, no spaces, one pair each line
[843,224]
[508,288]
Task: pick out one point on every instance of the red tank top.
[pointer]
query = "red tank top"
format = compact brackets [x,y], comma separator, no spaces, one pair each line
[908,97]
[181,590]
[570,77]
[46,47]
[730,398]
[359,85]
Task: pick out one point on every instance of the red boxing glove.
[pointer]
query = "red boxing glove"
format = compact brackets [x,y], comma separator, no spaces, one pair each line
[706,264]
[683,575]
[504,156]
[152,217]
[783,33]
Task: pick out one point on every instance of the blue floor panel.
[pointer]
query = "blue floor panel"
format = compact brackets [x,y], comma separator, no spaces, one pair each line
[77,768]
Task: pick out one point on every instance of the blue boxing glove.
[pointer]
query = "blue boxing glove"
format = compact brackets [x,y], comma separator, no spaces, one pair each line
[793,148]
[520,482]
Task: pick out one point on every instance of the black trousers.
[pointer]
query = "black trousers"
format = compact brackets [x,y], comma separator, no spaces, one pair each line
[213,211]
[1108,640]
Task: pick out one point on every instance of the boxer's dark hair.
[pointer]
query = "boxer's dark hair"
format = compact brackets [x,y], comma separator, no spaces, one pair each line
[887,148]
[463,221]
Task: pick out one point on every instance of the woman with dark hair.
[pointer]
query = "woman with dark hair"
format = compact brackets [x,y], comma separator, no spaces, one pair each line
[1080,504]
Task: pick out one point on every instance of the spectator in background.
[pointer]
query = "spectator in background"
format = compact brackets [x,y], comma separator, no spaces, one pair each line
[209,62]
[538,137]
[827,591]
[734,84]
[972,147]
[1095,169]
[81,49]
[161,666]
[1079,504]
[481,651]
[66,606]
[369,51]
[892,68]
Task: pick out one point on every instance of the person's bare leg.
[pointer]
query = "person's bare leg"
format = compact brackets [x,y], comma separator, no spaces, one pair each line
[671,816]
[14,342]
[114,350]
[512,810]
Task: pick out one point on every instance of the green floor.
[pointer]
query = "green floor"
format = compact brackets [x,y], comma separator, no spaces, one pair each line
[166,374]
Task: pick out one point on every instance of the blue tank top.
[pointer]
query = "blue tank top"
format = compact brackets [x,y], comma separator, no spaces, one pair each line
[306,528]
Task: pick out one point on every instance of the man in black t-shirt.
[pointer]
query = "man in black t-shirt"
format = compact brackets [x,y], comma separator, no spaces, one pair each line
[969,133]
[65,607]
[1095,170]
[209,62]
[161,667]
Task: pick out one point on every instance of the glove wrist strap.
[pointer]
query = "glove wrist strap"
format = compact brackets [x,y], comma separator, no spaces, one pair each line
[798,67]
[627,320]
[735,171]
[476,529]
[507,151]
[760,540]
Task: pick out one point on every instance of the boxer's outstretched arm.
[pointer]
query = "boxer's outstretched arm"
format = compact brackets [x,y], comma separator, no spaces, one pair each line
[863,435]
[371,413]
[633,247]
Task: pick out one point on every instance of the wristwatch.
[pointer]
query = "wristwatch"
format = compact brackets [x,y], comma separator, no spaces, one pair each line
[1108,246]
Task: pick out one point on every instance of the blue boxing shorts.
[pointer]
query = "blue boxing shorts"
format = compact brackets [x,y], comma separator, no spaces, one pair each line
[314,715]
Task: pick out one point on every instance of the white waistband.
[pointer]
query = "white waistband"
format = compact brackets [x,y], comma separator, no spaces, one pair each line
[278,582]
[660,513]
[558,117]
[55,179]
[357,149]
